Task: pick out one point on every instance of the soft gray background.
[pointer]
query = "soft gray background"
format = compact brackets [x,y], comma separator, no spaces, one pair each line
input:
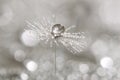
[99,17]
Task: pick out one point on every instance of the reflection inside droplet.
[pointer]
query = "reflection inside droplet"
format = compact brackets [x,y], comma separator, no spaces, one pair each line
[57,30]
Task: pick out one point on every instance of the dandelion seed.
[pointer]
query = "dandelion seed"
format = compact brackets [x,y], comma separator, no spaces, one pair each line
[52,33]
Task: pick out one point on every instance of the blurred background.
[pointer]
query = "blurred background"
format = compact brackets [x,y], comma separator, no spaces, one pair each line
[21,59]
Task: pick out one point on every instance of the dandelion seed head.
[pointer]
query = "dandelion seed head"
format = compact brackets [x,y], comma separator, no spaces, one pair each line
[57,34]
